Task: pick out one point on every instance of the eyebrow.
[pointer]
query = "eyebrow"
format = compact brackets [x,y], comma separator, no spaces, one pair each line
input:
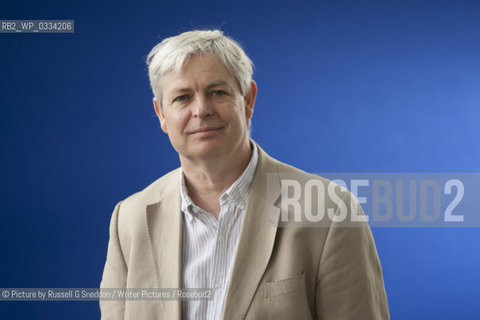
[210,86]
[218,84]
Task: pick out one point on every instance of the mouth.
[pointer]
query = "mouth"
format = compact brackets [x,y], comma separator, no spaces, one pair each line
[205,130]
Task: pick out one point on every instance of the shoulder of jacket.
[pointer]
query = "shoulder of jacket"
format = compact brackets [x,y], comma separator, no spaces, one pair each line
[153,192]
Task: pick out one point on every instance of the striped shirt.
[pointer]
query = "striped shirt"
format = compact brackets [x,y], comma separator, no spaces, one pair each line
[209,244]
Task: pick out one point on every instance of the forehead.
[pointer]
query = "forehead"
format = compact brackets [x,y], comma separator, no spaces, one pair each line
[198,71]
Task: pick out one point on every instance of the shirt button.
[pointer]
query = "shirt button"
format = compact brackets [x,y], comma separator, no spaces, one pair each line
[217,285]
[220,237]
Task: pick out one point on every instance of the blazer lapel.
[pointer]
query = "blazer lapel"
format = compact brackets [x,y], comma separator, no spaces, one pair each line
[164,227]
[256,240]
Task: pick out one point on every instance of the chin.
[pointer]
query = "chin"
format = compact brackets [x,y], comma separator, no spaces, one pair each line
[203,150]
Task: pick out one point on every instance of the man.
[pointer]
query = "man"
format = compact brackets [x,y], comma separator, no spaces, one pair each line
[215,221]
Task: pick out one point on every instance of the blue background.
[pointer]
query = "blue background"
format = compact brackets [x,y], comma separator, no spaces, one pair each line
[344,86]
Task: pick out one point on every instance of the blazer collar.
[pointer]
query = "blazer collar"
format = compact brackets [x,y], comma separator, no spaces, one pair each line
[256,240]
[164,228]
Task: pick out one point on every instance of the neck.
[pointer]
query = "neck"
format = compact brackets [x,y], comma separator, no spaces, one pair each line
[207,179]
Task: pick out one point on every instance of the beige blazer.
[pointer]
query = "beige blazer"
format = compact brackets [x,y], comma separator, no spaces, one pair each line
[330,272]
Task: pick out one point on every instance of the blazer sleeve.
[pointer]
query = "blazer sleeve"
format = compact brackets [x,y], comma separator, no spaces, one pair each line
[350,282]
[114,273]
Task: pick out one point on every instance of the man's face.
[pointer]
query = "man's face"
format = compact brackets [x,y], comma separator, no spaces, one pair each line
[204,113]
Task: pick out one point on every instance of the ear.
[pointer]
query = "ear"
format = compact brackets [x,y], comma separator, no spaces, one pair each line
[250,100]
[160,115]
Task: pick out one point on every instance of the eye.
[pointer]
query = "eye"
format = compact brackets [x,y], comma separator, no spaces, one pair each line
[180,98]
[219,93]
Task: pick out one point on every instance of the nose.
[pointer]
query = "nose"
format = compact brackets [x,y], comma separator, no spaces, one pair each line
[201,107]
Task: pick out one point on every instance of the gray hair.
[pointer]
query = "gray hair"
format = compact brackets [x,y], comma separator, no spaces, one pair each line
[172,53]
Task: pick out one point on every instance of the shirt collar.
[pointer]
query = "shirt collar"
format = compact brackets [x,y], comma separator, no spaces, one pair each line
[237,193]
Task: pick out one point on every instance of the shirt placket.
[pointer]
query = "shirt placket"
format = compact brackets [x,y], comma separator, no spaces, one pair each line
[219,262]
